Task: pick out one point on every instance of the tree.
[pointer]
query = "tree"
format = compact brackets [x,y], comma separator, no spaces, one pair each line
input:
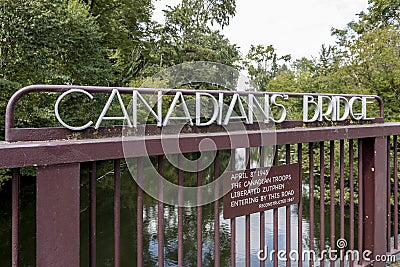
[263,65]
[188,36]
[48,42]
[51,42]
[128,34]
[368,50]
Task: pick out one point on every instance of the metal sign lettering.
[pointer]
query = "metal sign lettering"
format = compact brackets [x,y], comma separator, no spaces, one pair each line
[322,108]
[255,190]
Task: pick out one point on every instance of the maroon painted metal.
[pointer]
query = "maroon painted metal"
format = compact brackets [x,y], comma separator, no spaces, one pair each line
[275,216]
[262,213]
[58,233]
[233,242]
[216,213]
[332,193]
[15,219]
[117,212]
[275,235]
[39,153]
[139,213]
[351,181]
[287,209]
[300,205]
[247,217]
[233,220]
[396,195]
[57,133]
[375,209]
[388,173]
[199,214]
[341,177]
[180,213]
[160,213]
[373,150]
[92,214]
[311,196]
[360,200]
[322,199]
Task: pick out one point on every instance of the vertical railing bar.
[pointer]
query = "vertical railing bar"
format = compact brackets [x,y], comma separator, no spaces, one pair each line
[247,217]
[199,213]
[300,205]
[389,217]
[275,216]
[322,198]
[92,214]
[15,219]
[160,208]
[139,213]
[180,213]
[341,152]
[360,200]
[233,220]
[275,231]
[287,209]
[351,178]
[311,197]
[332,195]
[396,194]
[216,213]
[117,212]
[262,213]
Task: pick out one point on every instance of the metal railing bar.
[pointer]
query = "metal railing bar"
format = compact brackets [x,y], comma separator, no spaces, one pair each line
[311,197]
[389,214]
[160,212]
[351,180]
[233,220]
[139,226]
[300,205]
[332,195]
[262,213]
[322,198]
[247,217]
[199,213]
[342,204]
[180,213]
[92,214]
[15,218]
[117,212]
[360,200]
[287,216]
[396,194]
[216,212]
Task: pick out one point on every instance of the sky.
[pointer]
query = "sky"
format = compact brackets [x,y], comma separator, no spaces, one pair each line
[293,27]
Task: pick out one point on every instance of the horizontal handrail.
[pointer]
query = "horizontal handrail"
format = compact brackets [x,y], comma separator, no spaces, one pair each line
[42,153]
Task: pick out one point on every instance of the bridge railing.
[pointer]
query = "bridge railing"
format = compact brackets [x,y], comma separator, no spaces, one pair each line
[353,168]
[358,159]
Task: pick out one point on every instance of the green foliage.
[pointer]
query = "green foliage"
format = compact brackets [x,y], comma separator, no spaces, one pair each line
[51,42]
[187,35]
[127,34]
[368,52]
[263,65]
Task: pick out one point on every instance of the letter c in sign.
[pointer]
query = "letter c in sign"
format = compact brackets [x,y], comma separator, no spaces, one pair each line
[59,99]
